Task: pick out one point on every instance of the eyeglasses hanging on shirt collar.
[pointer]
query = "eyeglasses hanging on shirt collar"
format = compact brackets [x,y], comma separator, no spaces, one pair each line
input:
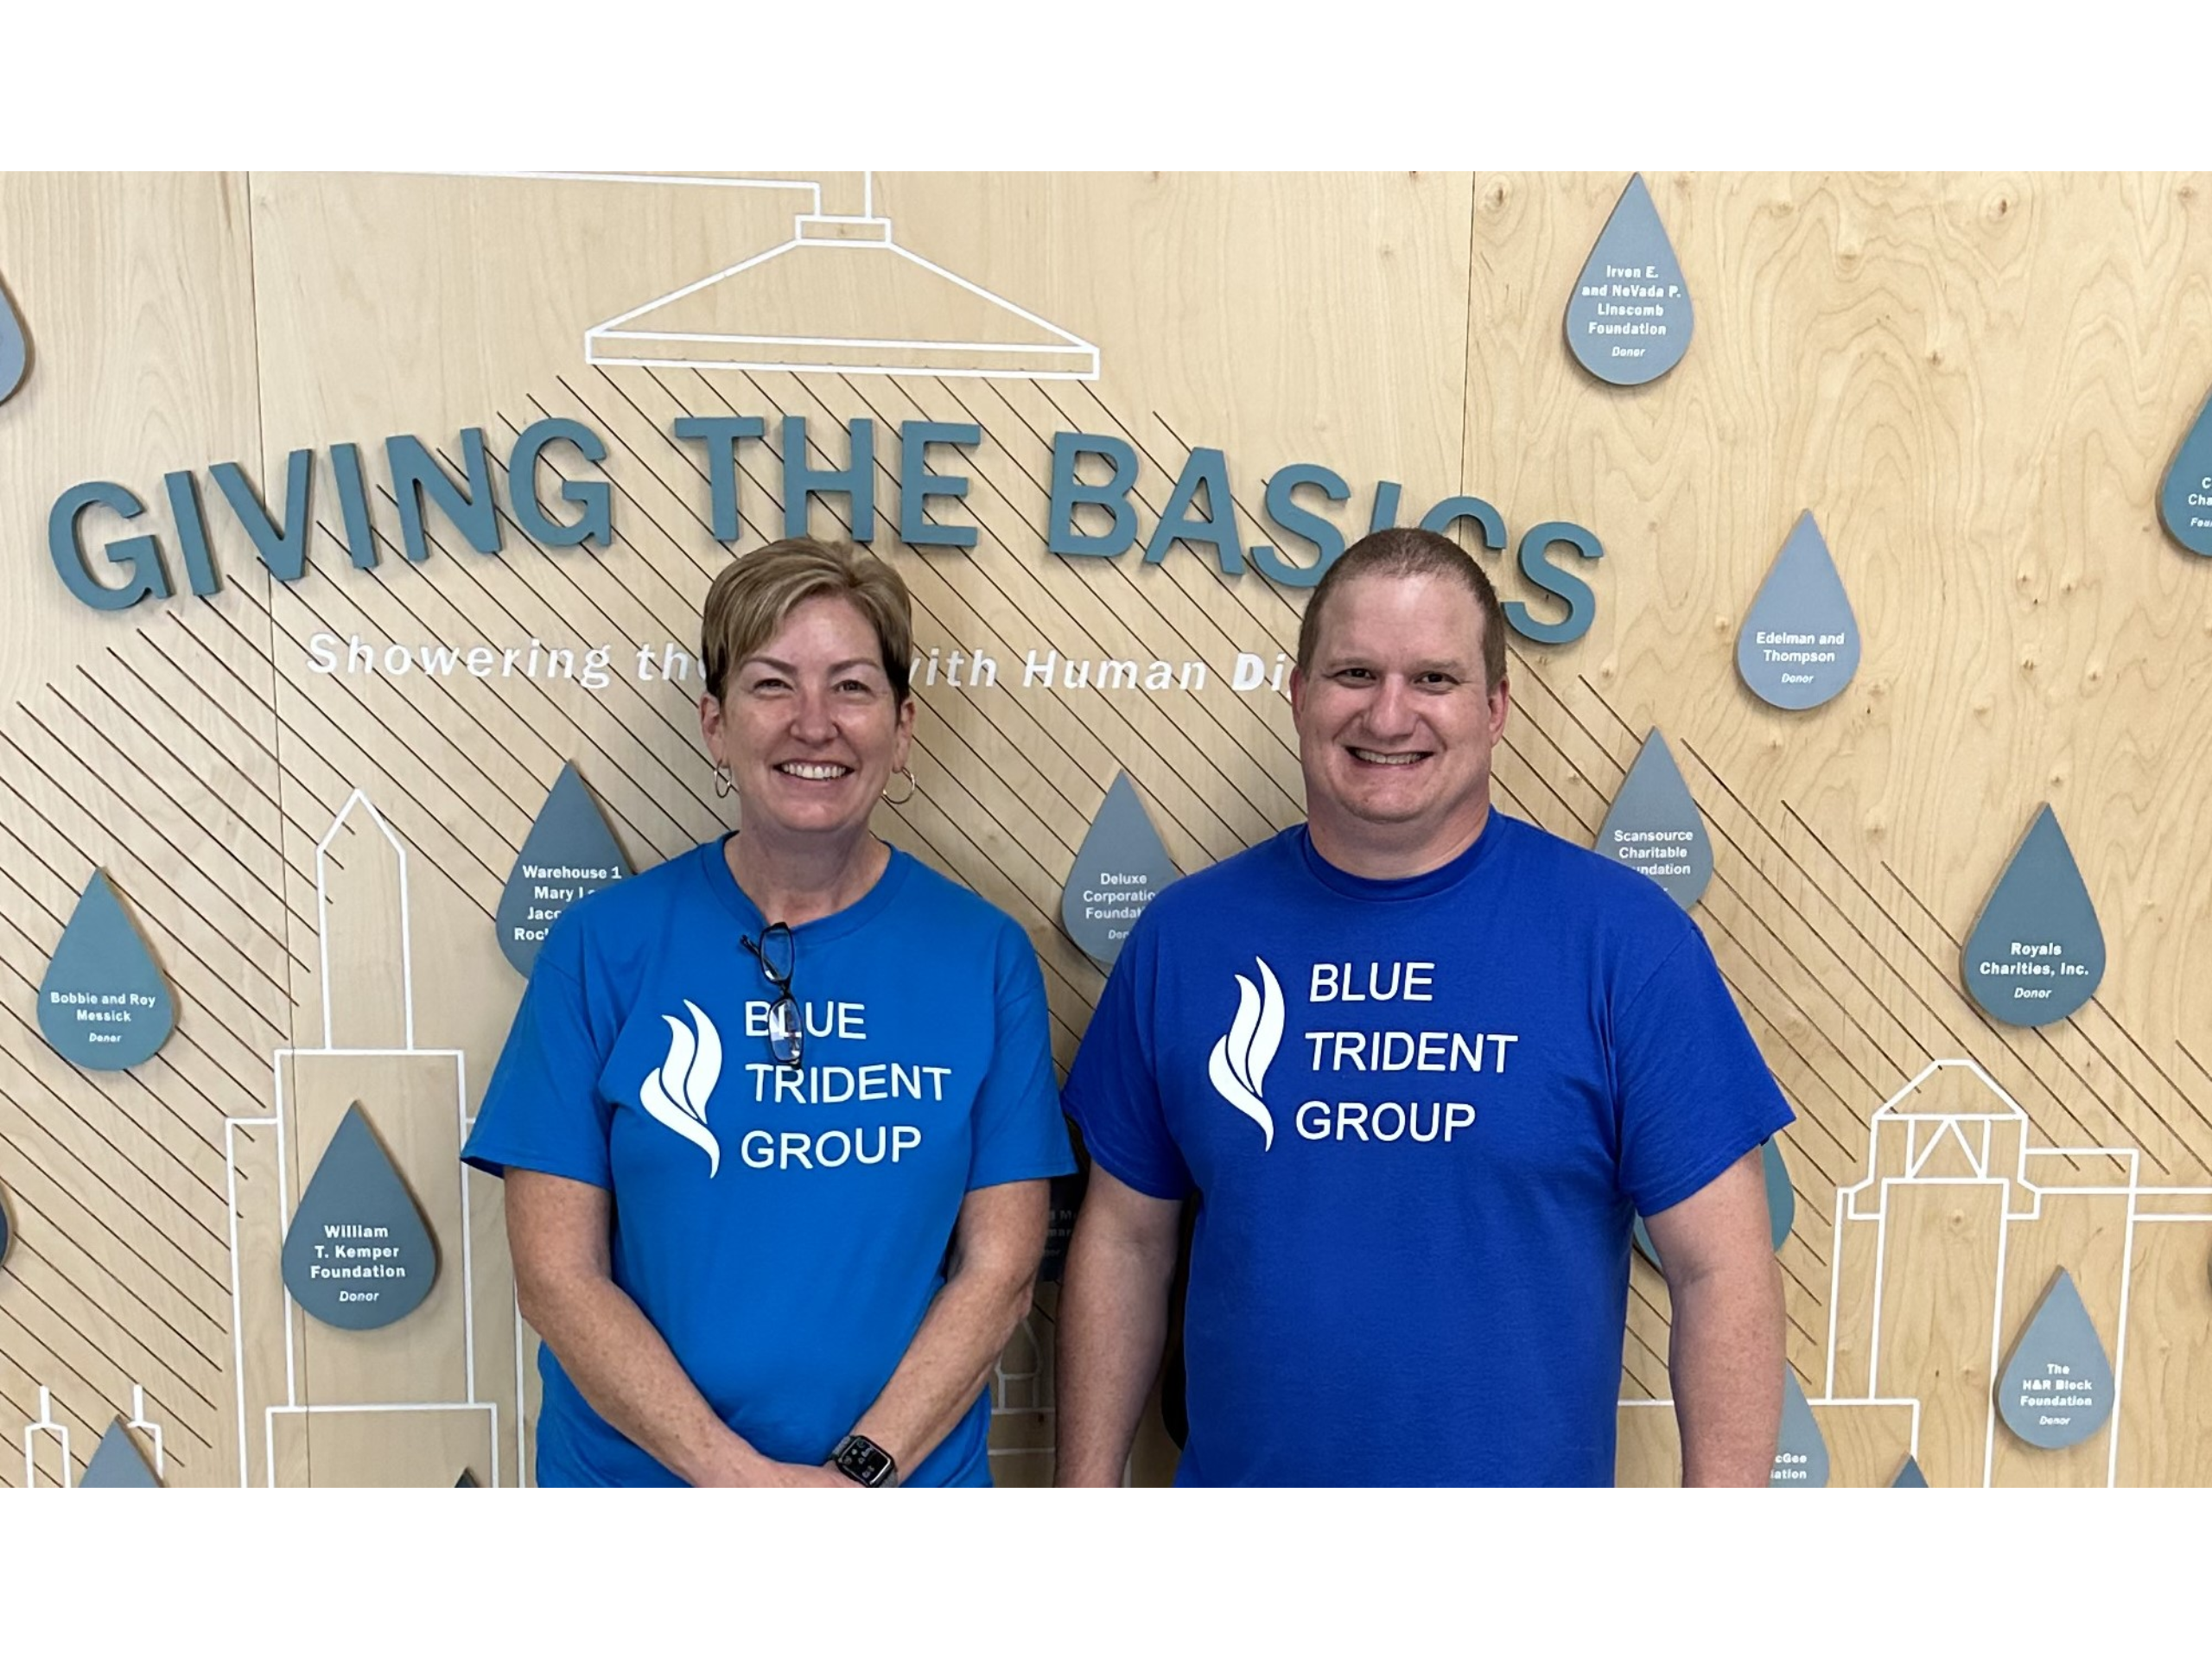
[776,953]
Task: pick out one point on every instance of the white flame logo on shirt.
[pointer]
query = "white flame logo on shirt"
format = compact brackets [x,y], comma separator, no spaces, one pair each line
[677,1094]
[1240,1061]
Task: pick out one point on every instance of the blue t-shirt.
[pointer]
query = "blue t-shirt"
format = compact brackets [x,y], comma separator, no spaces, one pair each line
[1419,1117]
[784,1230]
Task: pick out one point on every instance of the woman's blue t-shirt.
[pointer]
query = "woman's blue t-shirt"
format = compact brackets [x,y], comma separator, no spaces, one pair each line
[784,1230]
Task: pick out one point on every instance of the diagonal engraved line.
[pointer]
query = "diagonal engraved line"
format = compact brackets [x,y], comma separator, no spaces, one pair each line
[982,856]
[1850,1065]
[461,757]
[64,1186]
[1267,624]
[151,866]
[39,952]
[635,689]
[1086,634]
[2090,1088]
[449,822]
[121,1283]
[312,834]
[180,1031]
[1135,734]
[64,1379]
[686,607]
[651,471]
[615,767]
[245,821]
[1850,1160]
[360,611]
[903,814]
[676,633]
[982,707]
[1814,885]
[2192,1059]
[2061,1104]
[168,797]
[152,1139]
[1945,933]
[1747,862]
[31,1292]
[371,767]
[1194,700]
[1133,589]
[503,745]
[1235,507]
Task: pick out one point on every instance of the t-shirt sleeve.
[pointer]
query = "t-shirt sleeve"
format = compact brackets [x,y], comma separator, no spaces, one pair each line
[1113,1091]
[1695,1095]
[1018,1135]
[543,1110]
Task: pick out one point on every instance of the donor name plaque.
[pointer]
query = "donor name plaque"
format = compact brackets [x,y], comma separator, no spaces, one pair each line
[1799,646]
[1629,321]
[2037,954]
[104,1004]
[358,1254]
[2056,1387]
[2185,501]
[569,852]
[1654,827]
[1119,869]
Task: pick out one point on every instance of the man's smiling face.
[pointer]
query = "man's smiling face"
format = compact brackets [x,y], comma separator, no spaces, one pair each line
[1394,726]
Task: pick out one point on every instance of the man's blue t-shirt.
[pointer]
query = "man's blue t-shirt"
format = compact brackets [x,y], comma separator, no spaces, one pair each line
[784,1230]
[1419,1117]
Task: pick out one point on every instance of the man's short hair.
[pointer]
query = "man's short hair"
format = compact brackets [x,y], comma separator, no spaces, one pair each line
[756,592]
[1400,552]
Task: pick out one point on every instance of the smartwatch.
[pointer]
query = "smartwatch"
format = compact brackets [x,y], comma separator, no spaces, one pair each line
[863,1461]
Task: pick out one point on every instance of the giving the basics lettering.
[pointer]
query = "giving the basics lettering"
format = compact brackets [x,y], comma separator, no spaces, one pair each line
[1092,513]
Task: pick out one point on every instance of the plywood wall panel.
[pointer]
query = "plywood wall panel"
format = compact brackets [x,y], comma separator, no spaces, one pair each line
[1974,382]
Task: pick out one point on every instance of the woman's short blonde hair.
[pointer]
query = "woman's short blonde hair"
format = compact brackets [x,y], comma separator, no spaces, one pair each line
[757,592]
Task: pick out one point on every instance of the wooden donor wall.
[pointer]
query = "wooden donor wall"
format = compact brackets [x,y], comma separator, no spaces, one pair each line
[307,796]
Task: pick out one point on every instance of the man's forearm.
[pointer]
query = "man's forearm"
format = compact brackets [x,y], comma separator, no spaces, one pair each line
[1113,1327]
[1724,1359]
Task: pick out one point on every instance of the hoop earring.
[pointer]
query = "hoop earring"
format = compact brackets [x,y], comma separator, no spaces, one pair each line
[907,773]
[724,783]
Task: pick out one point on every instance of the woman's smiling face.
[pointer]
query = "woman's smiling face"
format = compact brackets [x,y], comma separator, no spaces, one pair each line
[808,724]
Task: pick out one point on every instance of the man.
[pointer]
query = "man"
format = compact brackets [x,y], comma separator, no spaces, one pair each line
[1419,1064]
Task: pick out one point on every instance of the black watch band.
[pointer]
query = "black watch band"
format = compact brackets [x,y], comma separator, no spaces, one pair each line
[863,1462]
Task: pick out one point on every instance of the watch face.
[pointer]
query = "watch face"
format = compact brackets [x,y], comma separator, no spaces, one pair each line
[864,1461]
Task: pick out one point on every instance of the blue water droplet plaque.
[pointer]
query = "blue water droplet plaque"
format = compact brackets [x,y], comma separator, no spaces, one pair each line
[104,1004]
[1628,320]
[1119,869]
[14,349]
[1909,1472]
[357,1254]
[1799,644]
[1654,827]
[117,1461]
[5,1236]
[569,851]
[2036,953]
[1801,1456]
[2185,499]
[2055,1388]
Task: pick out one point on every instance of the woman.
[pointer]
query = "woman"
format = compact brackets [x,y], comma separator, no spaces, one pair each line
[777,1116]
